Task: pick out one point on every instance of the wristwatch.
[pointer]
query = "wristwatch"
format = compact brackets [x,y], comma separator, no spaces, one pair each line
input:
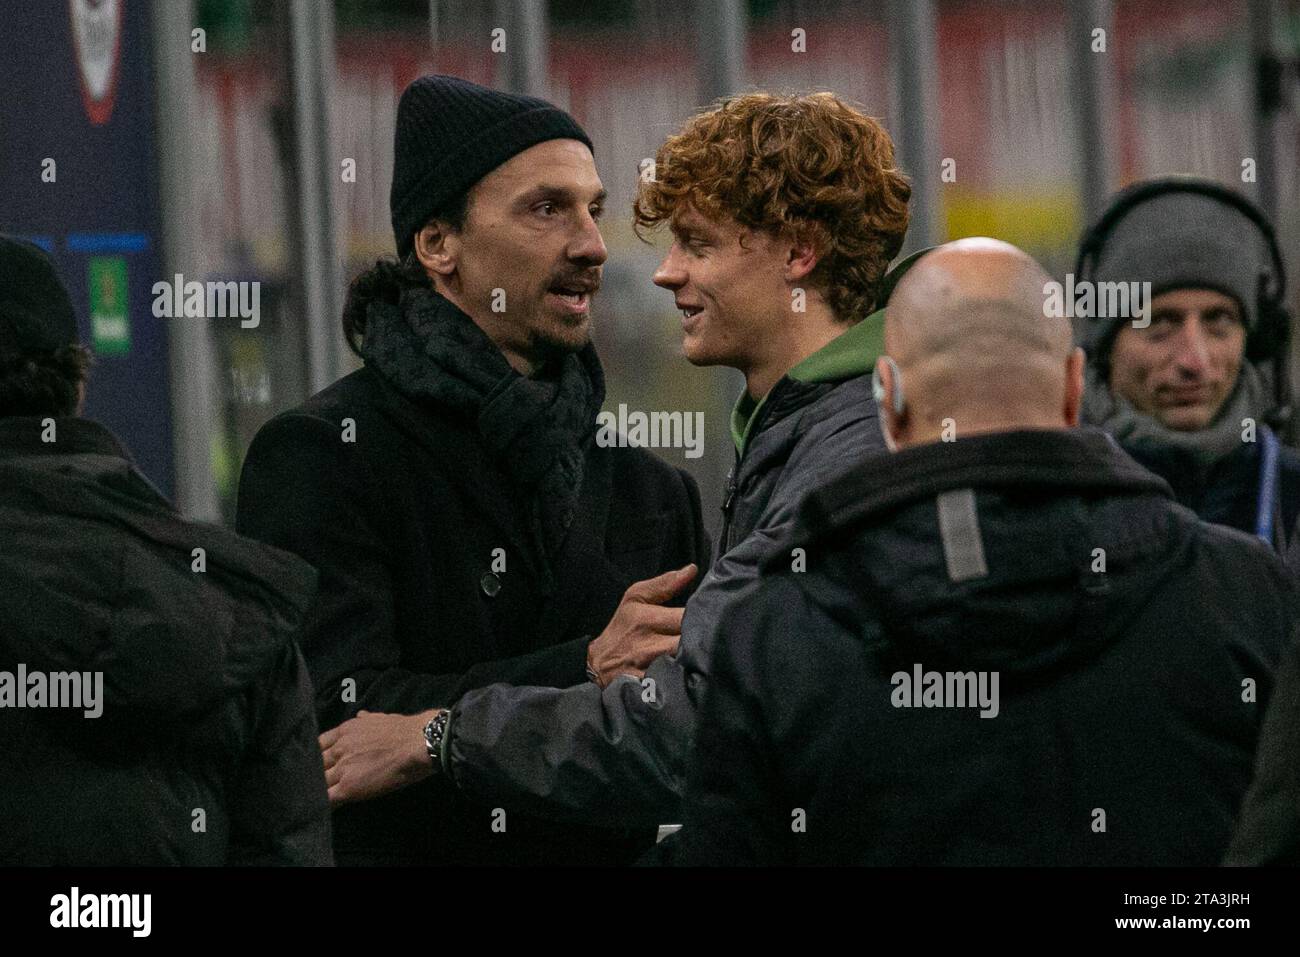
[435,733]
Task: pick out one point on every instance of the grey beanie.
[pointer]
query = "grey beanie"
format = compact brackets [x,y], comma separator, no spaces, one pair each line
[1180,240]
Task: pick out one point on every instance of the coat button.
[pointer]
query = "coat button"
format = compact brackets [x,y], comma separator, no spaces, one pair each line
[490,584]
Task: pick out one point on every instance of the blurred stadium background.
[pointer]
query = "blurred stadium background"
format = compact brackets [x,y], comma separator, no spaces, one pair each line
[228,163]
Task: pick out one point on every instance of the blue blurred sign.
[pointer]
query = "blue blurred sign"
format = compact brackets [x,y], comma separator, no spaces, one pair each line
[77,176]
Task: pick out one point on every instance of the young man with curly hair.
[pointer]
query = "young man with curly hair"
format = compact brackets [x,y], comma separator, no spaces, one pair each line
[785,213]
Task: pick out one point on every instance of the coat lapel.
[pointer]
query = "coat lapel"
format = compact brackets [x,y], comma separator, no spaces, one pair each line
[584,577]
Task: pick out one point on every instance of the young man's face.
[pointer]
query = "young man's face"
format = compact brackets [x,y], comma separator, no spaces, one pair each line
[1183,366]
[528,261]
[731,295]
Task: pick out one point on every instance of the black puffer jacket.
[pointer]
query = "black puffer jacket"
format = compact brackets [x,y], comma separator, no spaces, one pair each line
[1134,647]
[205,751]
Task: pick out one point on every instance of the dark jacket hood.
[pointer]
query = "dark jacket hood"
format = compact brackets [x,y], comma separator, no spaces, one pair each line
[1045,502]
[98,575]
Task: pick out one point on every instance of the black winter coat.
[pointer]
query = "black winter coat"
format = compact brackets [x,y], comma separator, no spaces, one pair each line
[404,524]
[205,748]
[1134,647]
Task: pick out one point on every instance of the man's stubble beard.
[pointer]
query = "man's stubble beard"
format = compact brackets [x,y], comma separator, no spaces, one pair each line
[548,345]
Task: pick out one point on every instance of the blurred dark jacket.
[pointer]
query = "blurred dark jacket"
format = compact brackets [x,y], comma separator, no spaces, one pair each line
[621,754]
[1269,829]
[1227,491]
[1134,647]
[205,751]
[402,525]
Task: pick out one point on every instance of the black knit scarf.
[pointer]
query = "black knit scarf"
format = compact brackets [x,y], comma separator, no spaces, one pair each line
[537,428]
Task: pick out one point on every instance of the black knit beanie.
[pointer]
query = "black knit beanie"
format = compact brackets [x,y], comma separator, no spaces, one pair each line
[35,311]
[450,134]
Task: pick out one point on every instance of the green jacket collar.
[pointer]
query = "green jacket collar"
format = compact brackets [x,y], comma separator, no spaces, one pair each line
[851,353]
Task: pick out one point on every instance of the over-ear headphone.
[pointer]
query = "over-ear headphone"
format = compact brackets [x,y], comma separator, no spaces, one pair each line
[878,387]
[1272,332]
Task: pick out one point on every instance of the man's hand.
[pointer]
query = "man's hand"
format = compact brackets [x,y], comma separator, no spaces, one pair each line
[375,754]
[641,629]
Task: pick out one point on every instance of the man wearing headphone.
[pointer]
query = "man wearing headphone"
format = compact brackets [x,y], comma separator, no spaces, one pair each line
[1191,386]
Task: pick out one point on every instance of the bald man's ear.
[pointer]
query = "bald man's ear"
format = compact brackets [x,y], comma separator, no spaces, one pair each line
[1074,386]
[886,390]
[438,249]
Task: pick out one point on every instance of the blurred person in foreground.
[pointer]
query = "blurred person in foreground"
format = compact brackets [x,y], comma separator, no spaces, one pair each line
[1269,829]
[785,213]
[1190,385]
[199,745]
[1010,645]
[468,527]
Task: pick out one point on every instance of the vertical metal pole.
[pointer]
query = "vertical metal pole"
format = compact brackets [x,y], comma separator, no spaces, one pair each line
[1266,79]
[1093,79]
[433,27]
[195,391]
[311,77]
[720,54]
[522,68]
[912,54]
[720,47]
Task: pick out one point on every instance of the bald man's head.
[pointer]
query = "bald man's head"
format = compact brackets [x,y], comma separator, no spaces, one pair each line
[968,332]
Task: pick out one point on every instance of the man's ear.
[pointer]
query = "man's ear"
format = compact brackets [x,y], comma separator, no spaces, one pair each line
[438,249]
[891,422]
[801,258]
[1074,386]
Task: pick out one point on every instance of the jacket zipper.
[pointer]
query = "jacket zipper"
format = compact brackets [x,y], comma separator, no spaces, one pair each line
[755,427]
[727,503]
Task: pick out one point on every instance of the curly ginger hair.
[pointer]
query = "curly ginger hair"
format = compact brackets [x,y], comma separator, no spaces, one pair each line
[810,167]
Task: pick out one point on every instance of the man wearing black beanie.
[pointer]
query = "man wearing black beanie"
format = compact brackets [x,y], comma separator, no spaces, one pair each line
[467,527]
